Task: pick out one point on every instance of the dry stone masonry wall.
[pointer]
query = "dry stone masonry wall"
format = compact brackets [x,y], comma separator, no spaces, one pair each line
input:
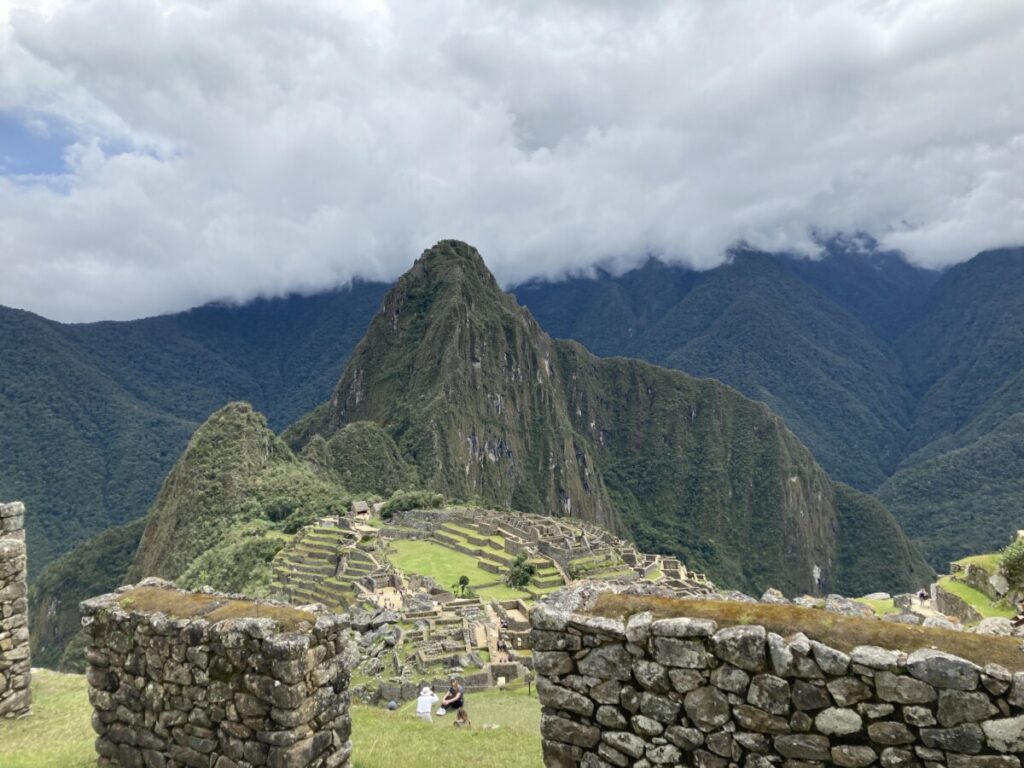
[15,661]
[239,692]
[685,691]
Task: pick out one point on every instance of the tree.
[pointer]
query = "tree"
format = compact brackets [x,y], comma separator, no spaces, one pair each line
[1012,564]
[520,572]
[462,585]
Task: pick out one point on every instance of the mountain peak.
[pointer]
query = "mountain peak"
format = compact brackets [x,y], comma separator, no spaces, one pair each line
[449,263]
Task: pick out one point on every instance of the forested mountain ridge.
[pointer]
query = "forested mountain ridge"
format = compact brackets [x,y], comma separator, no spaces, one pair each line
[486,405]
[95,414]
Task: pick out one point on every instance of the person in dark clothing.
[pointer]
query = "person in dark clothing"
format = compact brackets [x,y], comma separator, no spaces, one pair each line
[455,700]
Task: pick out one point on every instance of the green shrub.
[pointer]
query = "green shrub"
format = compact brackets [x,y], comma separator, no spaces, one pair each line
[520,572]
[1011,561]
[402,501]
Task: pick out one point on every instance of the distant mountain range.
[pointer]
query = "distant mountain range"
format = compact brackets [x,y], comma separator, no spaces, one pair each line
[903,382]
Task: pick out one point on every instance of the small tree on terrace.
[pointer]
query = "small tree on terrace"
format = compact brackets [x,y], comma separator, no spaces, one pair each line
[520,572]
[1012,563]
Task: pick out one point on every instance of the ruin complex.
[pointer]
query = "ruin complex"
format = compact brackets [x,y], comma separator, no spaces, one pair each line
[15,658]
[221,681]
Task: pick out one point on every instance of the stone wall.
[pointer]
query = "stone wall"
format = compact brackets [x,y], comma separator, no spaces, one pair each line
[15,661]
[233,693]
[684,691]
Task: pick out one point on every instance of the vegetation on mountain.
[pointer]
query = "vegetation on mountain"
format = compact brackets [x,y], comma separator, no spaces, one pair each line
[363,458]
[402,501]
[94,415]
[91,569]
[234,482]
[873,547]
[963,500]
[486,405]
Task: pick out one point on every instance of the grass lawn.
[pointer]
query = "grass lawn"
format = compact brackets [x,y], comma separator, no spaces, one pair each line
[384,739]
[58,733]
[833,629]
[976,599]
[429,558]
[880,607]
[988,563]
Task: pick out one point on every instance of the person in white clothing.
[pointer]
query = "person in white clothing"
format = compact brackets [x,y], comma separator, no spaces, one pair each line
[426,700]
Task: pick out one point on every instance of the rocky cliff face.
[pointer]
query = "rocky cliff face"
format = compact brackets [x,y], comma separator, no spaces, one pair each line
[486,405]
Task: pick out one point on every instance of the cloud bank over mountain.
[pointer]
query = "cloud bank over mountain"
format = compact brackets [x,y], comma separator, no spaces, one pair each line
[157,155]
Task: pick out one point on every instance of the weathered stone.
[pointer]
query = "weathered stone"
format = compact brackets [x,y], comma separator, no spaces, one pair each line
[673,652]
[666,754]
[803,746]
[848,691]
[875,658]
[757,720]
[660,708]
[967,738]
[651,675]
[555,663]
[810,697]
[741,646]
[830,660]
[1005,735]
[836,721]
[556,696]
[769,693]
[957,707]
[890,734]
[731,679]
[903,689]
[943,670]
[610,717]
[687,739]
[685,680]
[922,717]
[850,756]
[569,732]
[624,742]
[610,662]
[707,708]
[683,627]
[893,757]
[646,726]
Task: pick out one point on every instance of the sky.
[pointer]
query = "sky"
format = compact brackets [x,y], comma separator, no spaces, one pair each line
[160,154]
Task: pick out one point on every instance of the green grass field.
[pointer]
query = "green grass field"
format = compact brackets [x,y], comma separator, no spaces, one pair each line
[976,599]
[384,739]
[58,734]
[429,558]
[881,607]
[988,563]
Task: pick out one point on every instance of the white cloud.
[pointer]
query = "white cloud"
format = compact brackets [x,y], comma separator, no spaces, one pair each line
[241,147]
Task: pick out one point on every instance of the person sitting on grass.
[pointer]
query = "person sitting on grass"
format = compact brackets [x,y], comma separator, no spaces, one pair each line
[426,700]
[454,700]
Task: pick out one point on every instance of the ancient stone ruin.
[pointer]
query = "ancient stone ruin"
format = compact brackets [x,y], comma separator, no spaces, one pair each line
[685,691]
[15,661]
[219,681]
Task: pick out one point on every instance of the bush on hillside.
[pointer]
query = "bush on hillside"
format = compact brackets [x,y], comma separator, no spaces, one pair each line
[402,501]
[1011,562]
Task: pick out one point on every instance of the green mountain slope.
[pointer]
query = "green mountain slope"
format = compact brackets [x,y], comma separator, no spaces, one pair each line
[94,415]
[486,405]
[235,477]
[83,453]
